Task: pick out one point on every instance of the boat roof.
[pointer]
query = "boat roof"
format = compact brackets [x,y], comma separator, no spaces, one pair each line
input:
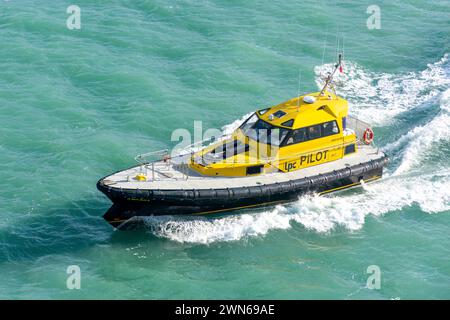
[306,110]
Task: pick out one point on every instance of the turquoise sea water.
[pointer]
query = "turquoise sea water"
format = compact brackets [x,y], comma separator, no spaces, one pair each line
[76,105]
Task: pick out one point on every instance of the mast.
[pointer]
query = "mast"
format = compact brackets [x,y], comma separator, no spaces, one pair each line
[298,91]
[330,76]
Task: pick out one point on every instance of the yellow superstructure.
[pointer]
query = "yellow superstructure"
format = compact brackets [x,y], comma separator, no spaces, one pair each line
[301,132]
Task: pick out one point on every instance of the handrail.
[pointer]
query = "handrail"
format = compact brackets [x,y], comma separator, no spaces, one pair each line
[181,153]
[358,126]
[163,155]
[141,157]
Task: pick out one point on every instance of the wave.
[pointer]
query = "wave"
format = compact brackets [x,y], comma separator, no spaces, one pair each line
[418,142]
[229,128]
[380,97]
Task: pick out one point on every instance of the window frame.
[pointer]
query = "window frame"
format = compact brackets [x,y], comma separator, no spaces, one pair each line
[274,126]
[322,128]
[307,133]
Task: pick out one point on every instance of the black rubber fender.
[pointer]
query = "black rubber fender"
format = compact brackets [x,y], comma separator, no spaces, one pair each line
[241,193]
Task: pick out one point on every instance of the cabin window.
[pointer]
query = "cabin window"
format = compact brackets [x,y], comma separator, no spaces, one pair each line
[261,112]
[344,123]
[314,132]
[264,132]
[279,114]
[350,149]
[297,136]
[254,170]
[288,123]
[249,122]
[330,128]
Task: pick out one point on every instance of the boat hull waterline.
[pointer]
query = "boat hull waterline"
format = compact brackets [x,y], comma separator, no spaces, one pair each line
[129,205]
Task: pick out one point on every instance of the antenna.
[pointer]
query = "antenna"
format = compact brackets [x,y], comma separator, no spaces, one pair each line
[337,38]
[330,76]
[324,46]
[298,90]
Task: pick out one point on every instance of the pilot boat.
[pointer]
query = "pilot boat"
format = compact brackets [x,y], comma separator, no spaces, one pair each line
[306,144]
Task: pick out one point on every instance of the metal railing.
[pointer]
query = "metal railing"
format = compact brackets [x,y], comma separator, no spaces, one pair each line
[148,160]
[159,154]
[358,126]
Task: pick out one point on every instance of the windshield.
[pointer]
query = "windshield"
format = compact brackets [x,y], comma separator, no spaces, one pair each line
[264,132]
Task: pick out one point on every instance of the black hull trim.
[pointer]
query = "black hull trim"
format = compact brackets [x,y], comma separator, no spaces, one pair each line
[138,203]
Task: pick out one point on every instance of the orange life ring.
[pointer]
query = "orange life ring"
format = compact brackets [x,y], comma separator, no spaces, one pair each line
[368,136]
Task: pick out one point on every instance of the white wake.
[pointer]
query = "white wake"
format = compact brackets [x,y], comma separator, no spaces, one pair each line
[379,97]
[316,213]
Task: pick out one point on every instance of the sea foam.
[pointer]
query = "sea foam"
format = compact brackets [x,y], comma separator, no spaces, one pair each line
[315,213]
[379,97]
[417,143]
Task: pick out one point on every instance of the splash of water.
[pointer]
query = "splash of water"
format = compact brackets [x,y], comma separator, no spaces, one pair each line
[204,230]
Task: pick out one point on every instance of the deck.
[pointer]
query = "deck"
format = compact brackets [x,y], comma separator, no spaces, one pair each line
[175,176]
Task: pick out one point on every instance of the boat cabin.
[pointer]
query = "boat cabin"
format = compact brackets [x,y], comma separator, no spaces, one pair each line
[302,132]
